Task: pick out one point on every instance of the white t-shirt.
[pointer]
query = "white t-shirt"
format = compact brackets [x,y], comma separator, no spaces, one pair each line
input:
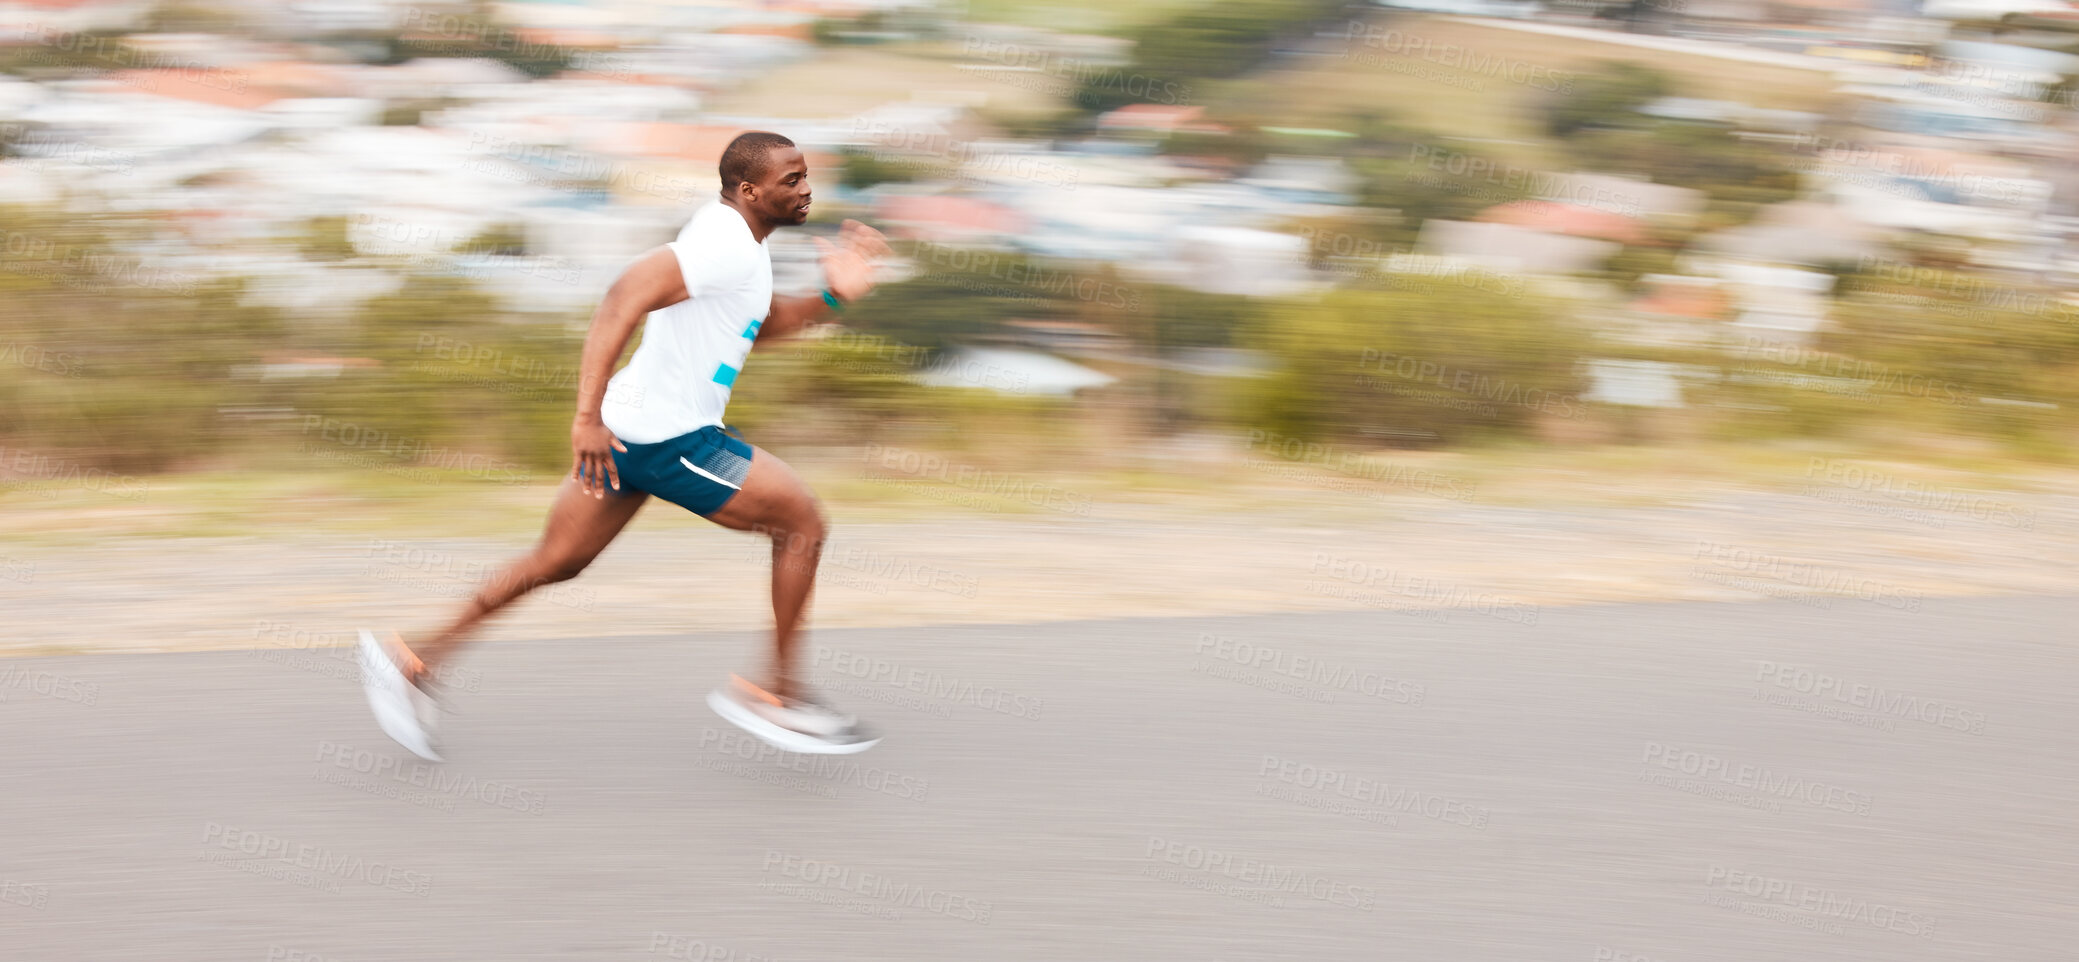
[680,377]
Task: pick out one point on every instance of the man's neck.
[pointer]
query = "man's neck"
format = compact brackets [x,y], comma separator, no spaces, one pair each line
[760,229]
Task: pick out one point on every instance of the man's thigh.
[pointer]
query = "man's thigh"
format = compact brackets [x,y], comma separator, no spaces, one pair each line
[773,497]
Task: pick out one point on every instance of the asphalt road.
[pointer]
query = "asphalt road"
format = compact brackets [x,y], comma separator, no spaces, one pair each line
[1680,783]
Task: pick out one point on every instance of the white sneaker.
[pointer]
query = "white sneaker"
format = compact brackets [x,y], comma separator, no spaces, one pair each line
[404,712]
[790,724]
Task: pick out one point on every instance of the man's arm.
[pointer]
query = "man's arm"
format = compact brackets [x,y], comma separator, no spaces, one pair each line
[790,316]
[848,269]
[651,283]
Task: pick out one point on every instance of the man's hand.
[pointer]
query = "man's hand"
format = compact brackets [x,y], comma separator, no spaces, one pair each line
[849,264]
[594,468]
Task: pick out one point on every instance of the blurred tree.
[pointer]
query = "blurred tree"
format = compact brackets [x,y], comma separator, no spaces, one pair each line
[1450,359]
[1704,157]
[191,16]
[1608,94]
[864,169]
[1217,40]
[503,239]
[325,239]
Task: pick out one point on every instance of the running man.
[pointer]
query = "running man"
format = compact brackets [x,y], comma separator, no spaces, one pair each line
[656,428]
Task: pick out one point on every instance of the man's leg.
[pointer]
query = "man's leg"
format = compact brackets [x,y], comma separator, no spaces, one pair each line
[775,502]
[579,527]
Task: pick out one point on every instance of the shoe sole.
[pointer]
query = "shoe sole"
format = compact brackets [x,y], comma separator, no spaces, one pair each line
[372,653]
[781,738]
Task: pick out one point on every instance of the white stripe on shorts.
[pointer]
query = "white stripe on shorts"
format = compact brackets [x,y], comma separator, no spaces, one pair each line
[711,476]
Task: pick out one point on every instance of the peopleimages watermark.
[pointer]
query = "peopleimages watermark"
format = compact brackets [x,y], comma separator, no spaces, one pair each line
[1247,657]
[1397,370]
[72,266]
[1864,375]
[41,360]
[1846,481]
[47,475]
[35,149]
[937,469]
[520,161]
[1431,274]
[457,578]
[1078,76]
[393,777]
[1474,170]
[115,52]
[815,774]
[31,895]
[1247,878]
[692,949]
[461,35]
[1899,172]
[508,373]
[15,569]
[284,860]
[332,654]
[1374,792]
[1872,698]
[847,564]
[1021,272]
[1344,574]
[1957,284]
[1805,583]
[973,161]
[873,354]
[1456,57]
[1604,953]
[1284,454]
[50,684]
[929,683]
[1762,787]
[277,952]
[876,894]
[1821,908]
[345,442]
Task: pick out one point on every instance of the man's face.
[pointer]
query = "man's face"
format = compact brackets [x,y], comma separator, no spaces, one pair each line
[782,195]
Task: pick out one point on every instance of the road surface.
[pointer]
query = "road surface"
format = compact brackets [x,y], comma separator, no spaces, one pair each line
[1675,783]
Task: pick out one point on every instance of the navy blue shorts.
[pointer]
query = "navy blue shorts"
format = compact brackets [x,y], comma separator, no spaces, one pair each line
[699,472]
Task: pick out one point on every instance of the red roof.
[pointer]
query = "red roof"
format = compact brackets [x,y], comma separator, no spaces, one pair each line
[956,213]
[1165,117]
[1684,300]
[223,88]
[1568,219]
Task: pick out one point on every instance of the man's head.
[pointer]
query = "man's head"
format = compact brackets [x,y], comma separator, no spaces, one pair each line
[764,176]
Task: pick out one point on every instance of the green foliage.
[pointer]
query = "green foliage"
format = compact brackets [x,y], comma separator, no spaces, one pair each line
[1440,359]
[325,239]
[1606,95]
[1705,157]
[961,295]
[864,169]
[501,239]
[93,50]
[1186,318]
[409,113]
[1172,57]
[182,16]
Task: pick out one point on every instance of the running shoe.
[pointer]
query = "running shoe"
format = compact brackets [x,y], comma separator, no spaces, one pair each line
[790,724]
[404,713]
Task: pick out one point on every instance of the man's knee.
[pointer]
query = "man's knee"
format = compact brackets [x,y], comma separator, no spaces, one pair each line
[804,530]
[556,569]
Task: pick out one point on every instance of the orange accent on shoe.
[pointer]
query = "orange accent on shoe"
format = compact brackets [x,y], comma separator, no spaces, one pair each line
[407,661]
[761,693]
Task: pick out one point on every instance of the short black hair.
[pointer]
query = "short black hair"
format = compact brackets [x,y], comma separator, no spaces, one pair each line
[749,157]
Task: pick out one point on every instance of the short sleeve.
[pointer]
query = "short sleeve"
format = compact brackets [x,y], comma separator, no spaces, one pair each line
[703,265]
